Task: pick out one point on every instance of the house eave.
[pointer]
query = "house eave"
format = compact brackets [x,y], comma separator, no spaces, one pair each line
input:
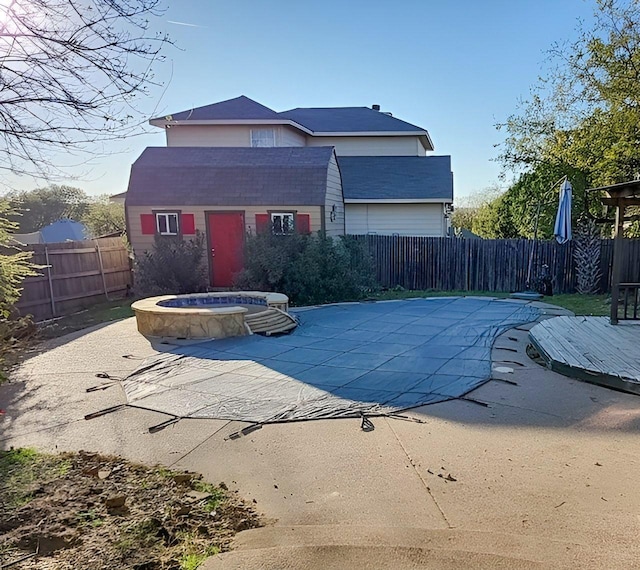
[168,123]
[398,201]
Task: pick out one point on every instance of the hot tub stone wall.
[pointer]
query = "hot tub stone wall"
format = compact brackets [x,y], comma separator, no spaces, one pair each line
[202,315]
[192,325]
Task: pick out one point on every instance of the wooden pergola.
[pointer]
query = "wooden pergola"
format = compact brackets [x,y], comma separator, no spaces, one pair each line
[621,196]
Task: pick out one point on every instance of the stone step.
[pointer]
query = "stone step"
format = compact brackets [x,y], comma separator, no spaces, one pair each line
[394,548]
[271,321]
[265,322]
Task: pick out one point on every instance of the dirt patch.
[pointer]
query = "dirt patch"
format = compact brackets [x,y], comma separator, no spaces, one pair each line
[90,511]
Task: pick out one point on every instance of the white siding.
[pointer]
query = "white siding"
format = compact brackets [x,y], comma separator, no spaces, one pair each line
[334,198]
[291,137]
[228,135]
[401,219]
[371,146]
[209,135]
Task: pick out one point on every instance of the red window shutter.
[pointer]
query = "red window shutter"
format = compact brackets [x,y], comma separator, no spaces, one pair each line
[148,224]
[262,223]
[303,223]
[188,224]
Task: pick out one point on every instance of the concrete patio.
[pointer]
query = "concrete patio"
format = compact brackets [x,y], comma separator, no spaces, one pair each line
[543,476]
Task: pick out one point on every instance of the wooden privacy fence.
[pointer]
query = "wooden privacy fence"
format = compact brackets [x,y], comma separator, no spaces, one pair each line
[74,275]
[454,264]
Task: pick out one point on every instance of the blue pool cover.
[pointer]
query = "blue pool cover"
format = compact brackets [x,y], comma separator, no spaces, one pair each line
[342,361]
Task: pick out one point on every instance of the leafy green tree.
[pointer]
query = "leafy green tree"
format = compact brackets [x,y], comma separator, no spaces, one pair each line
[42,206]
[494,220]
[533,199]
[583,119]
[103,217]
[463,217]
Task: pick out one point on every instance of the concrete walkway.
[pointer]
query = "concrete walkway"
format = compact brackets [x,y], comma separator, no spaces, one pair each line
[544,476]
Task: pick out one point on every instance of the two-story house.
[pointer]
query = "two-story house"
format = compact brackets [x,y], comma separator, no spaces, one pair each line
[237,166]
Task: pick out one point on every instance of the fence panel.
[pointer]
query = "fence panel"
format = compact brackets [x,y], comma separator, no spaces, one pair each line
[75,275]
[485,265]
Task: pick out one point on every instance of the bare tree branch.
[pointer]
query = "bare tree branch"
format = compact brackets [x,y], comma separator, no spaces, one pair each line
[71,72]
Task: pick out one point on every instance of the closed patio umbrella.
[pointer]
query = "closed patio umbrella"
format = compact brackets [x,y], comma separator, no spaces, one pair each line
[562,228]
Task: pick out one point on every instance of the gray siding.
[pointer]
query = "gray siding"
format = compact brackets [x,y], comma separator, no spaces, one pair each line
[334,197]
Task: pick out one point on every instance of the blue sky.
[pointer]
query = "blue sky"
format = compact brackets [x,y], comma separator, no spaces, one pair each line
[455,68]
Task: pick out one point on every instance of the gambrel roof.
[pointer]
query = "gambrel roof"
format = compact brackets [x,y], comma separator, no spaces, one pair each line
[233,176]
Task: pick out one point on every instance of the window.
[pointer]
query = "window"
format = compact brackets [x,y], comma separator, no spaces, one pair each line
[263,137]
[167,224]
[283,223]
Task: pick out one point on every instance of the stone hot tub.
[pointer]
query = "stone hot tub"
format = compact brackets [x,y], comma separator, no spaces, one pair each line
[212,315]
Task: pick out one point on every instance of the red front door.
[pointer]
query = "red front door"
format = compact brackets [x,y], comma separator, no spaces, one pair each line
[226,242]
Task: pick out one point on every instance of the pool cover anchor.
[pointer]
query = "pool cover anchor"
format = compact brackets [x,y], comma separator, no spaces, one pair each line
[104,385]
[105,411]
[159,427]
[477,402]
[244,431]
[366,425]
[404,418]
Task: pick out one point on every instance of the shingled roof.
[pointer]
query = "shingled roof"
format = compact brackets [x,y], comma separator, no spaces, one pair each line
[205,176]
[396,177]
[316,120]
[240,108]
[348,120]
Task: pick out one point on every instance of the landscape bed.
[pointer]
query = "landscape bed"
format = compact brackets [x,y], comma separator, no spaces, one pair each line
[85,510]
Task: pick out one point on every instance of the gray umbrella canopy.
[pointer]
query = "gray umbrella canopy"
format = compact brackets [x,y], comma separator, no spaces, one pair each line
[562,228]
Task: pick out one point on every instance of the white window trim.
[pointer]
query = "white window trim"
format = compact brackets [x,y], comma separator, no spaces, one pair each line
[273,132]
[290,215]
[166,216]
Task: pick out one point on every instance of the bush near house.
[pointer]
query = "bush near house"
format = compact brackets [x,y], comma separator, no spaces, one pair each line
[308,269]
[173,267]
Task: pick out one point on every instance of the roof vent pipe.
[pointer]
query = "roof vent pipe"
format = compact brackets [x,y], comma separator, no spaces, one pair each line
[375,107]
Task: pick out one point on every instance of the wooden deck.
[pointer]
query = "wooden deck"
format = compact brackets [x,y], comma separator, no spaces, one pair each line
[591,349]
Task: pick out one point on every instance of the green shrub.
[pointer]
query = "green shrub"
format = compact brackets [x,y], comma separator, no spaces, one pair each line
[173,267]
[309,269]
[15,265]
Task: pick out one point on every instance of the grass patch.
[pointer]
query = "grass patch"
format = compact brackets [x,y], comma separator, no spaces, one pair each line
[593,305]
[24,471]
[596,305]
[95,315]
[216,498]
[394,294]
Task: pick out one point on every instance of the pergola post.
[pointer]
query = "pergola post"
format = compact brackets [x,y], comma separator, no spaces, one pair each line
[616,270]
[620,196]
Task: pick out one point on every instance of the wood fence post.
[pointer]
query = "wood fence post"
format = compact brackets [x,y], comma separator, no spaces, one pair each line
[104,280]
[53,301]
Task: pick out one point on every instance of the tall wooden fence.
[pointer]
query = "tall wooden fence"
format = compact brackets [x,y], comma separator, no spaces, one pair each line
[74,275]
[453,264]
